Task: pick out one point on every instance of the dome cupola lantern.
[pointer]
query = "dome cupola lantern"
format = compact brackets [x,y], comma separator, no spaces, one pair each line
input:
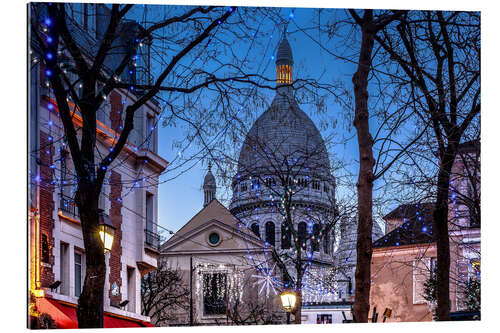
[284,62]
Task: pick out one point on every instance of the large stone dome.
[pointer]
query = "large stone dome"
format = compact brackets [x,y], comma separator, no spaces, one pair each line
[283,137]
[284,156]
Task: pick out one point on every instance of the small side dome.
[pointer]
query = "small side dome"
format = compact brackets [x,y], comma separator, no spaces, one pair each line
[209,186]
[209,181]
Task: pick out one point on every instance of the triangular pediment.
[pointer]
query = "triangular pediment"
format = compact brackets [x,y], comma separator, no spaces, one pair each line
[216,219]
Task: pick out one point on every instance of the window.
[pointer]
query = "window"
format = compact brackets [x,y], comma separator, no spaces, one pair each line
[315,242]
[326,243]
[270,231]
[243,187]
[131,289]
[286,236]
[255,184]
[65,174]
[302,229]
[45,249]
[315,185]
[102,199]
[150,221]
[270,181]
[324,319]
[421,272]
[214,239]
[151,133]
[79,271]
[64,269]
[214,293]
[255,229]
[475,270]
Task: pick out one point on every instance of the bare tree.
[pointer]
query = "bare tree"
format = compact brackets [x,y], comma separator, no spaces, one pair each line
[85,73]
[370,26]
[438,61]
[163,293]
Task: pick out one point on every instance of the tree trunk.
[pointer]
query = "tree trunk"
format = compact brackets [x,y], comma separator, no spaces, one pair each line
[90,303]
[298,302]
[365,177]
[442,238]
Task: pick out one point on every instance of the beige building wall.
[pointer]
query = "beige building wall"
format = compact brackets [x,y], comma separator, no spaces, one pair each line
[398,275]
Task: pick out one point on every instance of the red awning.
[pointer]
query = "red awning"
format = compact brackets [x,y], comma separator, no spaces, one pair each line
[64,315]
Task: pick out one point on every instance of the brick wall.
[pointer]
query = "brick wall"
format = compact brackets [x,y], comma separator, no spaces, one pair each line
[47,207]
[115,264]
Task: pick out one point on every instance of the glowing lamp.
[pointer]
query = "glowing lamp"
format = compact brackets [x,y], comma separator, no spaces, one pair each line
[288,299]
[38,293]
[106,231]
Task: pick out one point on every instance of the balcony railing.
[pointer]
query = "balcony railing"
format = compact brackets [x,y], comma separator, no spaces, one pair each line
[152,239]
[68,205]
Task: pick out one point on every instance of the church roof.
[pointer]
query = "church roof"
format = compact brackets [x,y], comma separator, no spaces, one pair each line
[213,211]
[417,227]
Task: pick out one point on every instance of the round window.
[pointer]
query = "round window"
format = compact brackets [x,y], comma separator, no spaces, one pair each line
[213,238]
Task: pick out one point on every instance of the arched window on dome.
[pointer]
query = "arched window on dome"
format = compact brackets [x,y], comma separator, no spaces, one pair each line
[270,233]
[326,243]
[316,234]
[243,186]
[286,236]
[302,230]
[255,229]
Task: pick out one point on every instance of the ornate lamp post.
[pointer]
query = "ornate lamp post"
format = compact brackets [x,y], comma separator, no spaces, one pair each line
[288,299]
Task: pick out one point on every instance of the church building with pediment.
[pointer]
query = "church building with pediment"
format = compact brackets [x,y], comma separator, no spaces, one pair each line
[228,270]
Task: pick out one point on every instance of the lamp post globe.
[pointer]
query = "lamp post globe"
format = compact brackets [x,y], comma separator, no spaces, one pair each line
[106,231]
[288,299]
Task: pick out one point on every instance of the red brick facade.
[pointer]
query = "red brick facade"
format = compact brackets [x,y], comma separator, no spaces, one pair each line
[47,207]
[116,111]
[115,264]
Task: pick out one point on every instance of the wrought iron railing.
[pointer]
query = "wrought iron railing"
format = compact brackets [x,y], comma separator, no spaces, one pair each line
[152,239]
[68,205]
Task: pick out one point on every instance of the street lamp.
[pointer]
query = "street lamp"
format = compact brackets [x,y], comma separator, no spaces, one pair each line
[288,299]
[106,231]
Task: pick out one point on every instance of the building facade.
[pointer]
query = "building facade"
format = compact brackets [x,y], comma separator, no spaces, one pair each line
[228,271]
[129,196]
[404,260]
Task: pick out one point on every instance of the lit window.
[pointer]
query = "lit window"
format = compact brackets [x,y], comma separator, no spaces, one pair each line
[475,271]
[214,293]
